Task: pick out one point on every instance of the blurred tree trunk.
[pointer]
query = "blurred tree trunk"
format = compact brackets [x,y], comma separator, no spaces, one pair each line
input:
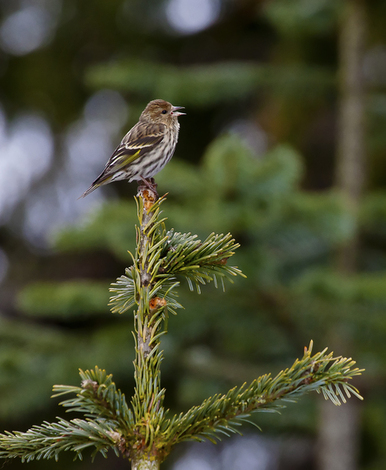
[339,428]
[351,153]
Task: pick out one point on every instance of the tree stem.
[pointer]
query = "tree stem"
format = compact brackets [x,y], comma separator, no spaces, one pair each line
[147,398]
[143,334]
[144,463]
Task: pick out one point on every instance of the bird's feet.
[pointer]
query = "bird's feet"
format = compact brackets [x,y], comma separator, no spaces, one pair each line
[148,184]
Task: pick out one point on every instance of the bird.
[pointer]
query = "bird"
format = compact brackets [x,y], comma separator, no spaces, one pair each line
[145,149]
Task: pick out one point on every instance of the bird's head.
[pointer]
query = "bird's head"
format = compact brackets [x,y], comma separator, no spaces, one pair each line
[162,112]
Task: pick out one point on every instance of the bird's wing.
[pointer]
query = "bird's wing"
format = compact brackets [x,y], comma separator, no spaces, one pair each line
[140,140]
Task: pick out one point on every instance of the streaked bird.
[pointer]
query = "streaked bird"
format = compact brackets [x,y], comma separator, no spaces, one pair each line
[145,149]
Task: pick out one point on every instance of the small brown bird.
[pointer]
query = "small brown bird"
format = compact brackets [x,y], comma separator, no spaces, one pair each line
[146,148]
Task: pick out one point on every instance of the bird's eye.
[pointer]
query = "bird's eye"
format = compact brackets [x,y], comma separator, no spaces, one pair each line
[164,111]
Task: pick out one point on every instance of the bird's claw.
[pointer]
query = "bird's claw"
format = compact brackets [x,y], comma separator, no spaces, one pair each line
[148,184]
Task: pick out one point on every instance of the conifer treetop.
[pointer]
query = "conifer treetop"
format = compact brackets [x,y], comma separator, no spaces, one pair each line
[143,430]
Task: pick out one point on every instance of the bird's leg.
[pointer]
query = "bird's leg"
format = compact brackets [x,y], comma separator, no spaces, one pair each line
[154,185]
[150,184]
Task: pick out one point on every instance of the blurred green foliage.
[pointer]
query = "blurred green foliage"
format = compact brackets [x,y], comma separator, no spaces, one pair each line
[289,237]
[202,86]
[273,64]
[75,298]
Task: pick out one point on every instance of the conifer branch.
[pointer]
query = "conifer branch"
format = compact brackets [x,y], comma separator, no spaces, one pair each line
[97,397]
[222,413]
[148,396]
[143,432]
[171,254]
[49,439]
[151,435]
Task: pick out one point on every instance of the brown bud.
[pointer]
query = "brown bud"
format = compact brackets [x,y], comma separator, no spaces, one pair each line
[148,196]
[156,303]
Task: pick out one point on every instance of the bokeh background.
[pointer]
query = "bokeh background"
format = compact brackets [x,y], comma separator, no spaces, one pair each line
[283,144]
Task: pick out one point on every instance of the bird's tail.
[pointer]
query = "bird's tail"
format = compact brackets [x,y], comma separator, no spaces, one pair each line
[89,190]
[102,179]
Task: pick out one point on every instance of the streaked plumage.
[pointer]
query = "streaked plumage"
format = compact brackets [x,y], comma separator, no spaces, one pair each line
[146,148]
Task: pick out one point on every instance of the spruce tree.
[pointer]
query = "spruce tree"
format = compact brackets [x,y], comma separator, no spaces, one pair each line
[143,430]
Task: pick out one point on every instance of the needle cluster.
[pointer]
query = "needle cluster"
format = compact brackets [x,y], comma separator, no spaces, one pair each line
[143,430]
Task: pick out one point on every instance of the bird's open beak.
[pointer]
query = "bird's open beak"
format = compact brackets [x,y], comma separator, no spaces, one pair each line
[175,111]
